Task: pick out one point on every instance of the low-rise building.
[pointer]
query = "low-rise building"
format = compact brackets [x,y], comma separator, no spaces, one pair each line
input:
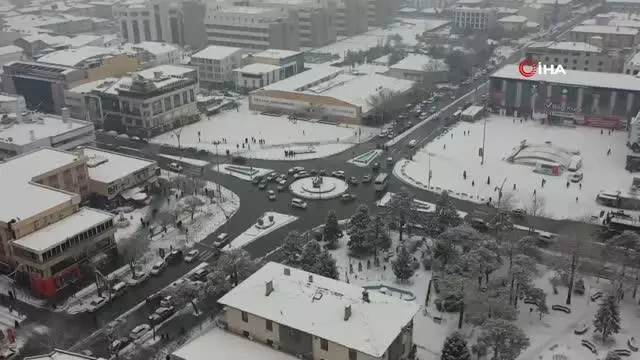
[474,18]
[606,37]
[21,133]
[216,63]
[513,23]
[416,67]
[290,62]
[314,317]
[623,6]
[255,76]
[62,354]
[154,53]
[63,24]
[575,56]
[11,53]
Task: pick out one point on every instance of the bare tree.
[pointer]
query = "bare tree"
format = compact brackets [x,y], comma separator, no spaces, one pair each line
[384,102]
[574,245]
[193,203]
[167,217]
[134,246]
[535,209]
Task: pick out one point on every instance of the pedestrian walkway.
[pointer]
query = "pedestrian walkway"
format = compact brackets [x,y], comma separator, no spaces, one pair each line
[9,317]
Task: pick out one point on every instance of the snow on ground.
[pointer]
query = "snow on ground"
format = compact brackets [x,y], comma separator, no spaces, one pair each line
[452,153]
[257,231]
[245,174]
[366,158]
[407,29]
[186,160]
[420,205]
[238,126]
[330,188]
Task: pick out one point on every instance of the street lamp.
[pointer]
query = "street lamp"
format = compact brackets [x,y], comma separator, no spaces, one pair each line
[429,168]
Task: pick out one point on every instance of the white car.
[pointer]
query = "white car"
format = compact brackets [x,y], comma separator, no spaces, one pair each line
[96,304]
[158,267]
[220,240]
[191,256]
[141,276]
[139,331]
[272,195]
[175,167]
[298,203]
[412,143]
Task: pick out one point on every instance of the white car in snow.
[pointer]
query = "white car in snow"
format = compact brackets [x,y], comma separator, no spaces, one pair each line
[139,331]
[96,303]
[191,256]
[158,267]
[139,278]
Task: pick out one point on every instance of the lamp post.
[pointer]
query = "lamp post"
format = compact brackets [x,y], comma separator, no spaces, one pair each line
[429,169]
[218,168]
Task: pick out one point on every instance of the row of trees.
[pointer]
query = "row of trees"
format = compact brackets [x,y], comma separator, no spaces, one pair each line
[303,253]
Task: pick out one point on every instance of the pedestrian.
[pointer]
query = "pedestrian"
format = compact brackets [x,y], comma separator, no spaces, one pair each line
[464,174]
[520,121]
[534,192]
[303,133]
[601,132]
[488,180]
[514,186]
[514,120]
[580,186]
[609,152]
[444,146]
[568,184]
[452,135]
[609,132]
[576,199]
[246,140]
[473,183]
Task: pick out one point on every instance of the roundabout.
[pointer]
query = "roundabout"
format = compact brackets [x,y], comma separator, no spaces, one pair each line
[318,187]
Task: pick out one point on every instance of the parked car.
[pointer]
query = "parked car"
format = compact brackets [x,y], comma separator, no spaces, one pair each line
[175,167]
[119,289]
[174,257]
[353,180]
[221,240]
[366,179]
[338,174]
[576,177]
[322,172]
[256,180]
[412,143]
[262,185]
[298,203]
[347,197]
[139,331]
[161,314]
[96,304]
[272,195]
[199,275]
[282,186]
[301,174]
[519,213]
[389,161]
[153,301]
[479,224]
[119,344]
[166,301]
[375,166]
[192,255]
[139,277]
[158,267]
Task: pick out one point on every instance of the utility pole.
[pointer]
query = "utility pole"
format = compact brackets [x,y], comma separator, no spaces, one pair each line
[218,168]
[429,168]
[484,137]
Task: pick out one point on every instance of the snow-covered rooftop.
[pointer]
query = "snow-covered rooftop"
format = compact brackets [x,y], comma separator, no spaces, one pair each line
[43,126]
[155,47]
[514,19]
[576,78]
[83,40]
[228,346]
[257,69]
[418,62]
[604,29]
[553,2]
[106,166]
[318,307]
[62,355]
[303,79]
[15,189]
[10,49]
[567,46]
[168,70]
[58,232]
[276,53]
[216,52]
[73,57]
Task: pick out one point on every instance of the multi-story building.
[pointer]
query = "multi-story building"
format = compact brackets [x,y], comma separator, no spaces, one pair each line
[587,98]
[623,6]
[145,104]
[45,234]
[417,67]
[290,62]
[473,18]
[216,63]
[30,131]
[606,37]
[513,24]
[59,23]
[42,85]
[195,32]
[351,17]
[314,317]
[380,12]
[253,27]
[575,56]
[255,76]
[150,20]
[154,53]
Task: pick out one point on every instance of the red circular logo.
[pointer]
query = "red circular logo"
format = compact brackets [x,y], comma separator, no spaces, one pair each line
[527,68]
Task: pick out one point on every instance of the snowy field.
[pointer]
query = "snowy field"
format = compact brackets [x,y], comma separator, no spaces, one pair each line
[453,152]
[238,126]
[406,28]
[271,221]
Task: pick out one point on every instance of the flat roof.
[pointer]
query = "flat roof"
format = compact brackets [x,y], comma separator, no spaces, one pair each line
[62,355]
[155,47]
[605,29]
[553,2]
[228,346]
[623,1]
[318,308]
[10,49]
[106,166]
[73,57]
[418,62]
[257,68]
[276,53]
[630,23]
[167,70]
[576,78]
[305,78]
[245,10]
[472,110]
[215,52]
[16,188]
[567,46]
[46,126]
[58,232]
[514,19]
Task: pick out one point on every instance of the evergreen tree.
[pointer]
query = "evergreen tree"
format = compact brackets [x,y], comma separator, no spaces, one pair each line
[291,249]
[378,233]
[455,348]
[401,211]
[309,256]
[607,318]
[446,216]
[402,265]
[357,231]
[326,266]
[332,230]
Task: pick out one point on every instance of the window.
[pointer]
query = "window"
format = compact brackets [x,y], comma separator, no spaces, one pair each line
[353,355]
[245,317]
[269,325]
[324,344]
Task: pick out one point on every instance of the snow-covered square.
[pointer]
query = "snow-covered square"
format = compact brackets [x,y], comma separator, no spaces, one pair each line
[457,151]
[269,222]
[240,132]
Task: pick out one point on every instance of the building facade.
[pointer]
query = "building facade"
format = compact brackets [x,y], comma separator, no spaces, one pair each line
[606,37]
[351,17]
[216,64]
[255,76]
[153,20]
[290,62]
[473,18]
[11,53]
[575,56]
[380,12]
[153,53]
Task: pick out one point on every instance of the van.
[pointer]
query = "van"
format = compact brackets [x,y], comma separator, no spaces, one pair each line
[412,143]
[119,288]
[299,203]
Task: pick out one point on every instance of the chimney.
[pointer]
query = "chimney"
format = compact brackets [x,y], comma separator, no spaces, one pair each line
[310,278]
[66,113]
[268,288]
[287,271]
[365,296]
[32,135]
[347,312]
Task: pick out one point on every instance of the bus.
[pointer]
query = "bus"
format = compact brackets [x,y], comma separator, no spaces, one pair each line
[380,184]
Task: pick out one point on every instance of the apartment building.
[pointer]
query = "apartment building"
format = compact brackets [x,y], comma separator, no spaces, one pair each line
[150,20]
[575,56]
[351,17]
[216,63]
[155,53]
[148,103]
[49,238]
[380,12]
[606,37]
[22,133]
[623,6]
[317,318]
[473,18]
[253,27]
